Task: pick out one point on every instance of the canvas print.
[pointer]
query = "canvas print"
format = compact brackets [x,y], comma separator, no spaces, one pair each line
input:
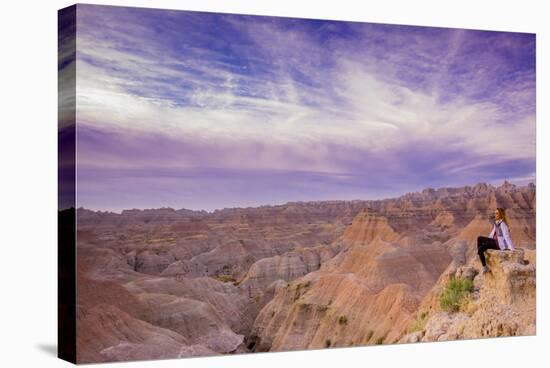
[235,184]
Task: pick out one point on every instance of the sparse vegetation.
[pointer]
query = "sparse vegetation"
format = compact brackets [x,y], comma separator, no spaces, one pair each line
[225,278]
[328,343]
[420,323]
[456,292]
[379,340]
[343,320]
[302,305]
[299,291]
[322,308]
[369,335]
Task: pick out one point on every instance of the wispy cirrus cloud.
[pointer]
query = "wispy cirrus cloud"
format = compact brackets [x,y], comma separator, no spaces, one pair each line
[345,109]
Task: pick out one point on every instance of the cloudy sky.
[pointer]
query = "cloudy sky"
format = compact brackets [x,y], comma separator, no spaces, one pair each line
[206,110]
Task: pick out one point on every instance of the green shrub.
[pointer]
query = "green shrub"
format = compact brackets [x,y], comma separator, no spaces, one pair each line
[455,291]
[420,323]
[343,320]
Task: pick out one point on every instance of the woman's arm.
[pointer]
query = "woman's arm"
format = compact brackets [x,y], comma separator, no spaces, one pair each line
[492,233]
[506,235]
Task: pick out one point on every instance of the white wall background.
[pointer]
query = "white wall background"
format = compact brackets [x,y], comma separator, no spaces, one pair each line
[28,180]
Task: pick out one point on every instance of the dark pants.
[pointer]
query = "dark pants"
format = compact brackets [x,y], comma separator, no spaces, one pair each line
[484,243]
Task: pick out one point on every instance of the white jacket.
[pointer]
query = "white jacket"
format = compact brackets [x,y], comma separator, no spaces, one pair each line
[503,235]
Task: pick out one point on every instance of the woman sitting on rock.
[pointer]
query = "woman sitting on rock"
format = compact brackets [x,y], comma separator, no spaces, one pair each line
[499,238]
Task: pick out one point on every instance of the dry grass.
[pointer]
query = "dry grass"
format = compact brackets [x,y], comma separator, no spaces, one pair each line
[420,322]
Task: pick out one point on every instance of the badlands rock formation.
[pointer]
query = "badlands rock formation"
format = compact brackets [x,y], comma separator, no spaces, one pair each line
[501,304]
[171,283]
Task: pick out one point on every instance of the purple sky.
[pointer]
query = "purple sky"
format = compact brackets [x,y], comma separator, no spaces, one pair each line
[206,110]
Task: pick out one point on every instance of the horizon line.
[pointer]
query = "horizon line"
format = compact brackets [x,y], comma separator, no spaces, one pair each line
[119,212]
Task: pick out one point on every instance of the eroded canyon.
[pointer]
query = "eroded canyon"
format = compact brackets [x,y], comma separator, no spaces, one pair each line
[165,283]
